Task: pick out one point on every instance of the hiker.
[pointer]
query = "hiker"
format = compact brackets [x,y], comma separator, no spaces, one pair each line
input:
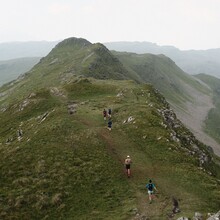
[151,187]
[19,134]
[109,124]
[109,113]
[128,166]
[104,114]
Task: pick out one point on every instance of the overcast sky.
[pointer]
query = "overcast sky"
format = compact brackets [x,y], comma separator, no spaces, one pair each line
[186,24]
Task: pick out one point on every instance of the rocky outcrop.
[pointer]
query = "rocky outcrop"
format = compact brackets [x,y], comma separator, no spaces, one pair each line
[186,139]
[215,216]
[72,108]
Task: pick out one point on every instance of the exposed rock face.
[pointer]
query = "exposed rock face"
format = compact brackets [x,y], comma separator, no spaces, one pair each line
[182,218]
[186,140]
[198,216]
[72,108]
[215,216]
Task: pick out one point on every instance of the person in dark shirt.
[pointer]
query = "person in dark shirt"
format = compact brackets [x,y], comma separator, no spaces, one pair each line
[151,187]
[109,124]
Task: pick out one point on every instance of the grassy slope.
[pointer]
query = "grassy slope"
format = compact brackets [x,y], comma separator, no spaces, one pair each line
[213,118]
[71,166]
[162,72]
[70,58]
[11,69]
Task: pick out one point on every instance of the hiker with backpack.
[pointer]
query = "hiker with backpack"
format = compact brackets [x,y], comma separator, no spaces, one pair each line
[109,124]
[128,166]
[109,113]
[151,187]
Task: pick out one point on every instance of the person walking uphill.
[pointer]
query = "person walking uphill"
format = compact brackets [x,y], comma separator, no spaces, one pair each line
[128,166]
[109,124]
[151,187]
[109,113]
[104,114]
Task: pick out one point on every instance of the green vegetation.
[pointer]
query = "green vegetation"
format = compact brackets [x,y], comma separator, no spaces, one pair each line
[69,166]
[11,69]
[164,74]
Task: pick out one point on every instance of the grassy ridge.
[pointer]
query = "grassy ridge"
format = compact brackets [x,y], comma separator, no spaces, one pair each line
[163,73]
[70,166]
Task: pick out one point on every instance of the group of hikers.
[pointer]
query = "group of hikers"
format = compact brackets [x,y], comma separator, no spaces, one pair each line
[127,162]
[150,185]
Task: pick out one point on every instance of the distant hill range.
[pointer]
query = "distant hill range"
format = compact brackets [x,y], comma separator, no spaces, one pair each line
[17,58]
[11,69]
[191,61]
[14,50]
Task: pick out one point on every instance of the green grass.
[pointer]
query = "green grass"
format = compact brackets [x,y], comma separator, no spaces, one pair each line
[71,166]
[163,73]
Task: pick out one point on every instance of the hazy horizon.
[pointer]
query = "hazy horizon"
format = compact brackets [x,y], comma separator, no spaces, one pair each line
[183,24]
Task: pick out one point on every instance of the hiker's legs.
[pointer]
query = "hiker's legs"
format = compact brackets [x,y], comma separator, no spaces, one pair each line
[129,172]
[150,193]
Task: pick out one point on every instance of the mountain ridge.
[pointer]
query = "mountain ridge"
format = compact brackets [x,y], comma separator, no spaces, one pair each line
[191,61]
[66,164]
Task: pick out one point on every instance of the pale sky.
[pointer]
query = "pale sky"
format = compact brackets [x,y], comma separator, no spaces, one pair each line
[185,24]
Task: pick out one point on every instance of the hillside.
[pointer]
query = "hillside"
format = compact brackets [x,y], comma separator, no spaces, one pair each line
[65,164]
[213,118]
[15,50]
[190,97]
[11,69]
[72,57]
[190,61]
[164,74]
[17,58]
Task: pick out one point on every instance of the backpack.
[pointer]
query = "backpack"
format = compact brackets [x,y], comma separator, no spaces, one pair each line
[150,187]
[128,161]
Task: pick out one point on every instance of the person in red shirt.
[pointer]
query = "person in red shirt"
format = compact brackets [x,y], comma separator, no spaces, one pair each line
[104,114]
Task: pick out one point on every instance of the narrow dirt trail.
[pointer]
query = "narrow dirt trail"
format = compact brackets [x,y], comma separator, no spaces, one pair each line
[115,145]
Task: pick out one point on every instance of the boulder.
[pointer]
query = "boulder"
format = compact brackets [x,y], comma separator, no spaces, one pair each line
[215,216]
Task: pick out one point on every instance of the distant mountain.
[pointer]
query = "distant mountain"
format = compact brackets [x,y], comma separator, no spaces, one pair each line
[14,50]
[11,69]
[191,61]
[17,58]
[68,59]
[59,160]
[163,73]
